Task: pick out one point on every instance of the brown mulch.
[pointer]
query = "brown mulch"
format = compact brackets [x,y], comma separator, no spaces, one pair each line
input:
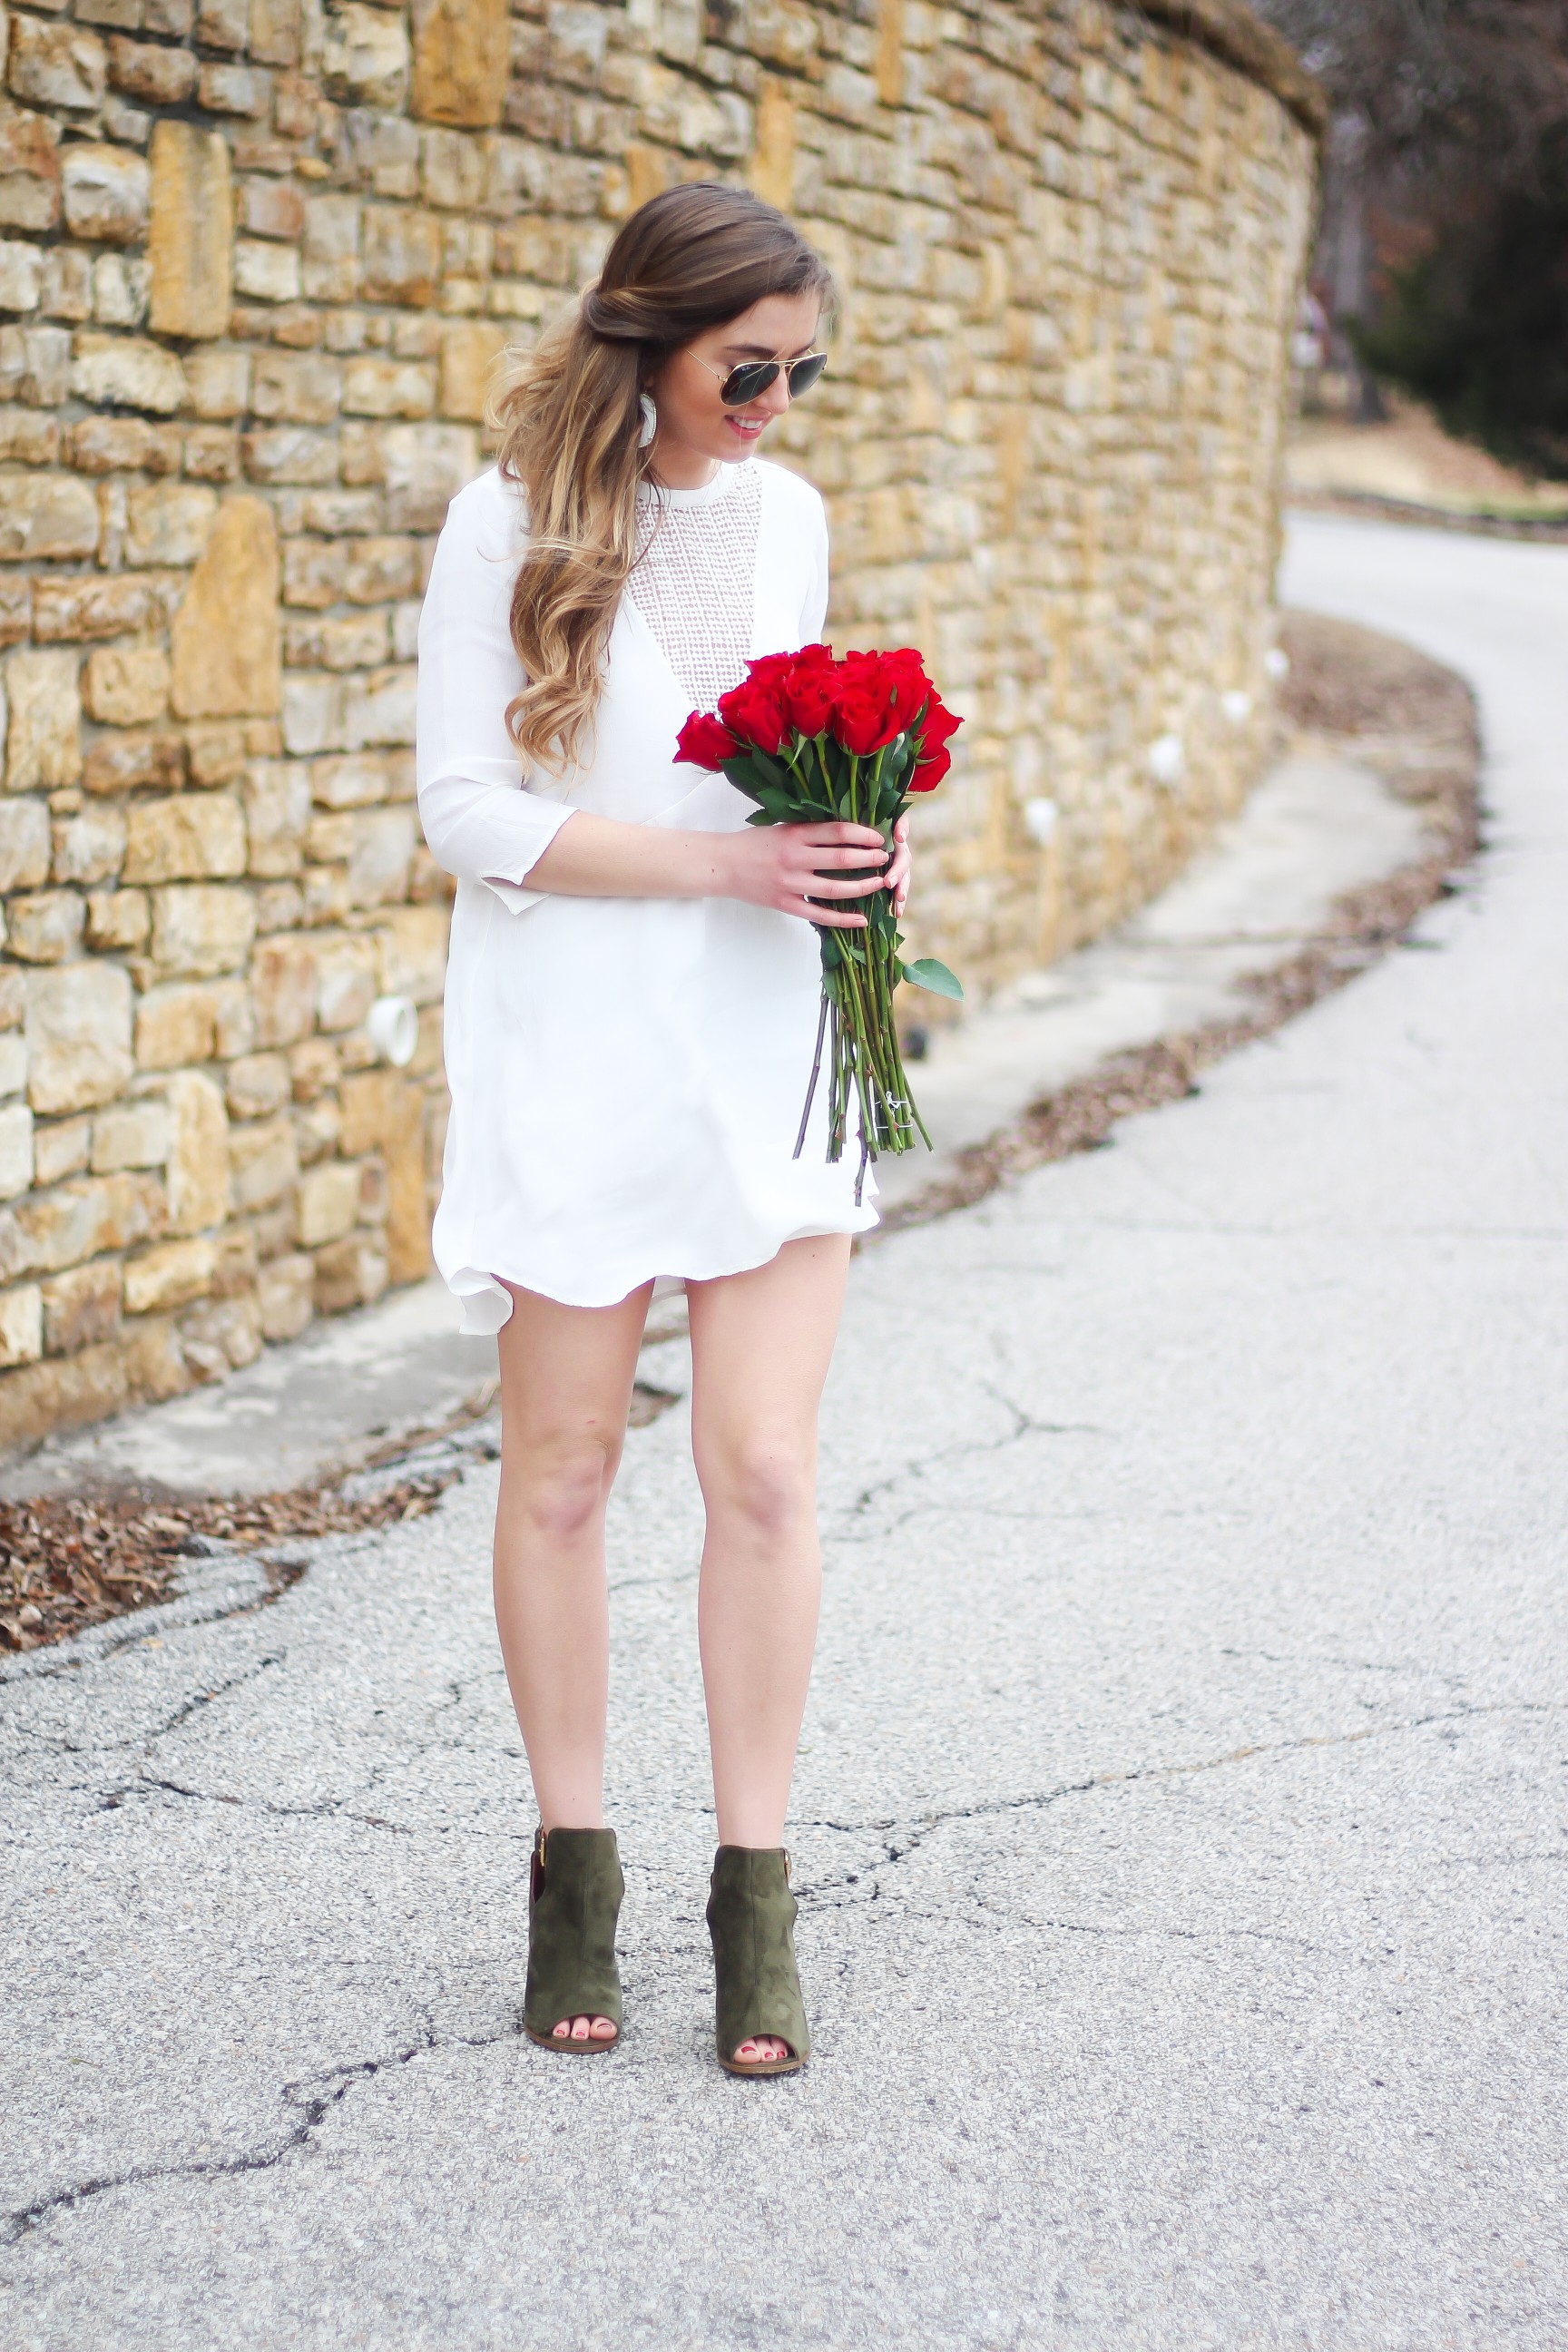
[1377,701]
[68,1561]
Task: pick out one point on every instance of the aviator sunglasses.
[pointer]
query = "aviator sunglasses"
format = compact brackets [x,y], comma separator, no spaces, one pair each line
[737,385]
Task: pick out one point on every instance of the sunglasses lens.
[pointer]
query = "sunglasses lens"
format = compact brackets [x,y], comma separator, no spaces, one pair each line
[805,372]
[743,384]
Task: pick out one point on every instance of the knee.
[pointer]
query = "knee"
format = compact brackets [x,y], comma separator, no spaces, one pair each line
[560,1486]
[767,1481]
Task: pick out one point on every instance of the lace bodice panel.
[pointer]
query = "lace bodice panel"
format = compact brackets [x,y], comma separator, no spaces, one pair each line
[694,584]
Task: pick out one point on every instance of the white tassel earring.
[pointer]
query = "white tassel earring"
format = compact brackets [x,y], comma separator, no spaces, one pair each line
[650,420]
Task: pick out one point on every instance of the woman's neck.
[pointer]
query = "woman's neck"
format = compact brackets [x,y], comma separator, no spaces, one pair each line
[679,468]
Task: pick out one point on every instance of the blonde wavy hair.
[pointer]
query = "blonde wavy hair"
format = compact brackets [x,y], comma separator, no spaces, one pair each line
[687,261]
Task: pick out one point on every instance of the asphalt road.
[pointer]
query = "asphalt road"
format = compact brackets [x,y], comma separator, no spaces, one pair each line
[1181,1813]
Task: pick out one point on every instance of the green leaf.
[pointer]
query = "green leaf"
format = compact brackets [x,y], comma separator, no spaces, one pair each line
[926,972]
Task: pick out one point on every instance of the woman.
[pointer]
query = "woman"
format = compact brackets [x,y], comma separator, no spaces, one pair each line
[631,1009]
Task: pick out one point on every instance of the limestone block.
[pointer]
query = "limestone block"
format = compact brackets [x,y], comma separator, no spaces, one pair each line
[55,1395]
[116,762]
[15,1150]
[118,921]
[236,1262]
[472,350]
[233,90]
[312,713]
[199,928]
[170,523]
[126,685]
[265,1163]
[258,1084]
[277,811]
[423,467]
[220,383]
[175,1024]
[327,1204]
[379,708]
[283,988]
[379,387]
[12,1062]
[217,754]
[24,844]
[66,610]
[88,847]
[350,1273]
[329,254]
[61,1148]
[125,371]
[47,518]
[21,1324]
[44,927]
[357,781]
[289,455]
[170,1276]
[61,67]
[30,169]
[379,855]
[301,387]
[461,58]
[34,364]
[364,57]
[284,1289]
[274,208]
[190,839]
[130,1135]
[212,454]
[82,1306]
[191,238]
[21,275]
[199,1162]
[148,71]
[345,981]
[78,1220]
[221,1336]
[265,272]
[43,744]
[401,259]
[79,1036]
[227,655]
[107,192]
[411,953]
[313,573]
[375,570]
[223,24]
[28,439]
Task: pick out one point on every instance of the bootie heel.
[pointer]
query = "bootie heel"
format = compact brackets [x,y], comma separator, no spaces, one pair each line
[575,1899]
[750,1917]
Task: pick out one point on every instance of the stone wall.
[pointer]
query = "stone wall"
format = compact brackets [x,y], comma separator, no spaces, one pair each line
[257,262]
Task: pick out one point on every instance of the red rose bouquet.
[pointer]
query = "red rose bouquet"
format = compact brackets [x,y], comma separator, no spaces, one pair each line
[809,737]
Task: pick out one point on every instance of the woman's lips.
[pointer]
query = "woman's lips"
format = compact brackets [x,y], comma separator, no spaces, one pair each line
[748,427]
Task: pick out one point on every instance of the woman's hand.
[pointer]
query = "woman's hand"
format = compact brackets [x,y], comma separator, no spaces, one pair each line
[785,866]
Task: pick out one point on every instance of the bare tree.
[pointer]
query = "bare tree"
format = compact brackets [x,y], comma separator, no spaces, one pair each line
[1432,101]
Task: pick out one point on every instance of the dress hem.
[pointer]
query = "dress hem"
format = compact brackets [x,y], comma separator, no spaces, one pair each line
[487,1306]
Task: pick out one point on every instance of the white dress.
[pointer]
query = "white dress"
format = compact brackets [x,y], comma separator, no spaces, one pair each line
[626,1074]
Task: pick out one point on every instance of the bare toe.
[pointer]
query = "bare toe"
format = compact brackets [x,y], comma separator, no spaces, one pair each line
[580,2029]
[559,2032]
[602,2030]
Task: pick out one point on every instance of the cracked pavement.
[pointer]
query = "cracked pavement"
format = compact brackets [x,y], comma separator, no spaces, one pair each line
[1180,1818]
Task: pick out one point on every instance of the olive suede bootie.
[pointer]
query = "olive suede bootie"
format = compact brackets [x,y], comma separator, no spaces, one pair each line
[575,1899]
[750,1917]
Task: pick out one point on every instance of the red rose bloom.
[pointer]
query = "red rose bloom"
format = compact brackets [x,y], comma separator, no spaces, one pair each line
[936,727]
[861,719]
[750,711]
[703,742]
[809,699]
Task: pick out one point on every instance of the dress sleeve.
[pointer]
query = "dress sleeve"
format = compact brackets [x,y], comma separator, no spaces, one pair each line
[814,612]
[481,819]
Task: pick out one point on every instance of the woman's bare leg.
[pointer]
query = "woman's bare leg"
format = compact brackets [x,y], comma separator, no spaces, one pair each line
[761,1344]
[566,1376]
